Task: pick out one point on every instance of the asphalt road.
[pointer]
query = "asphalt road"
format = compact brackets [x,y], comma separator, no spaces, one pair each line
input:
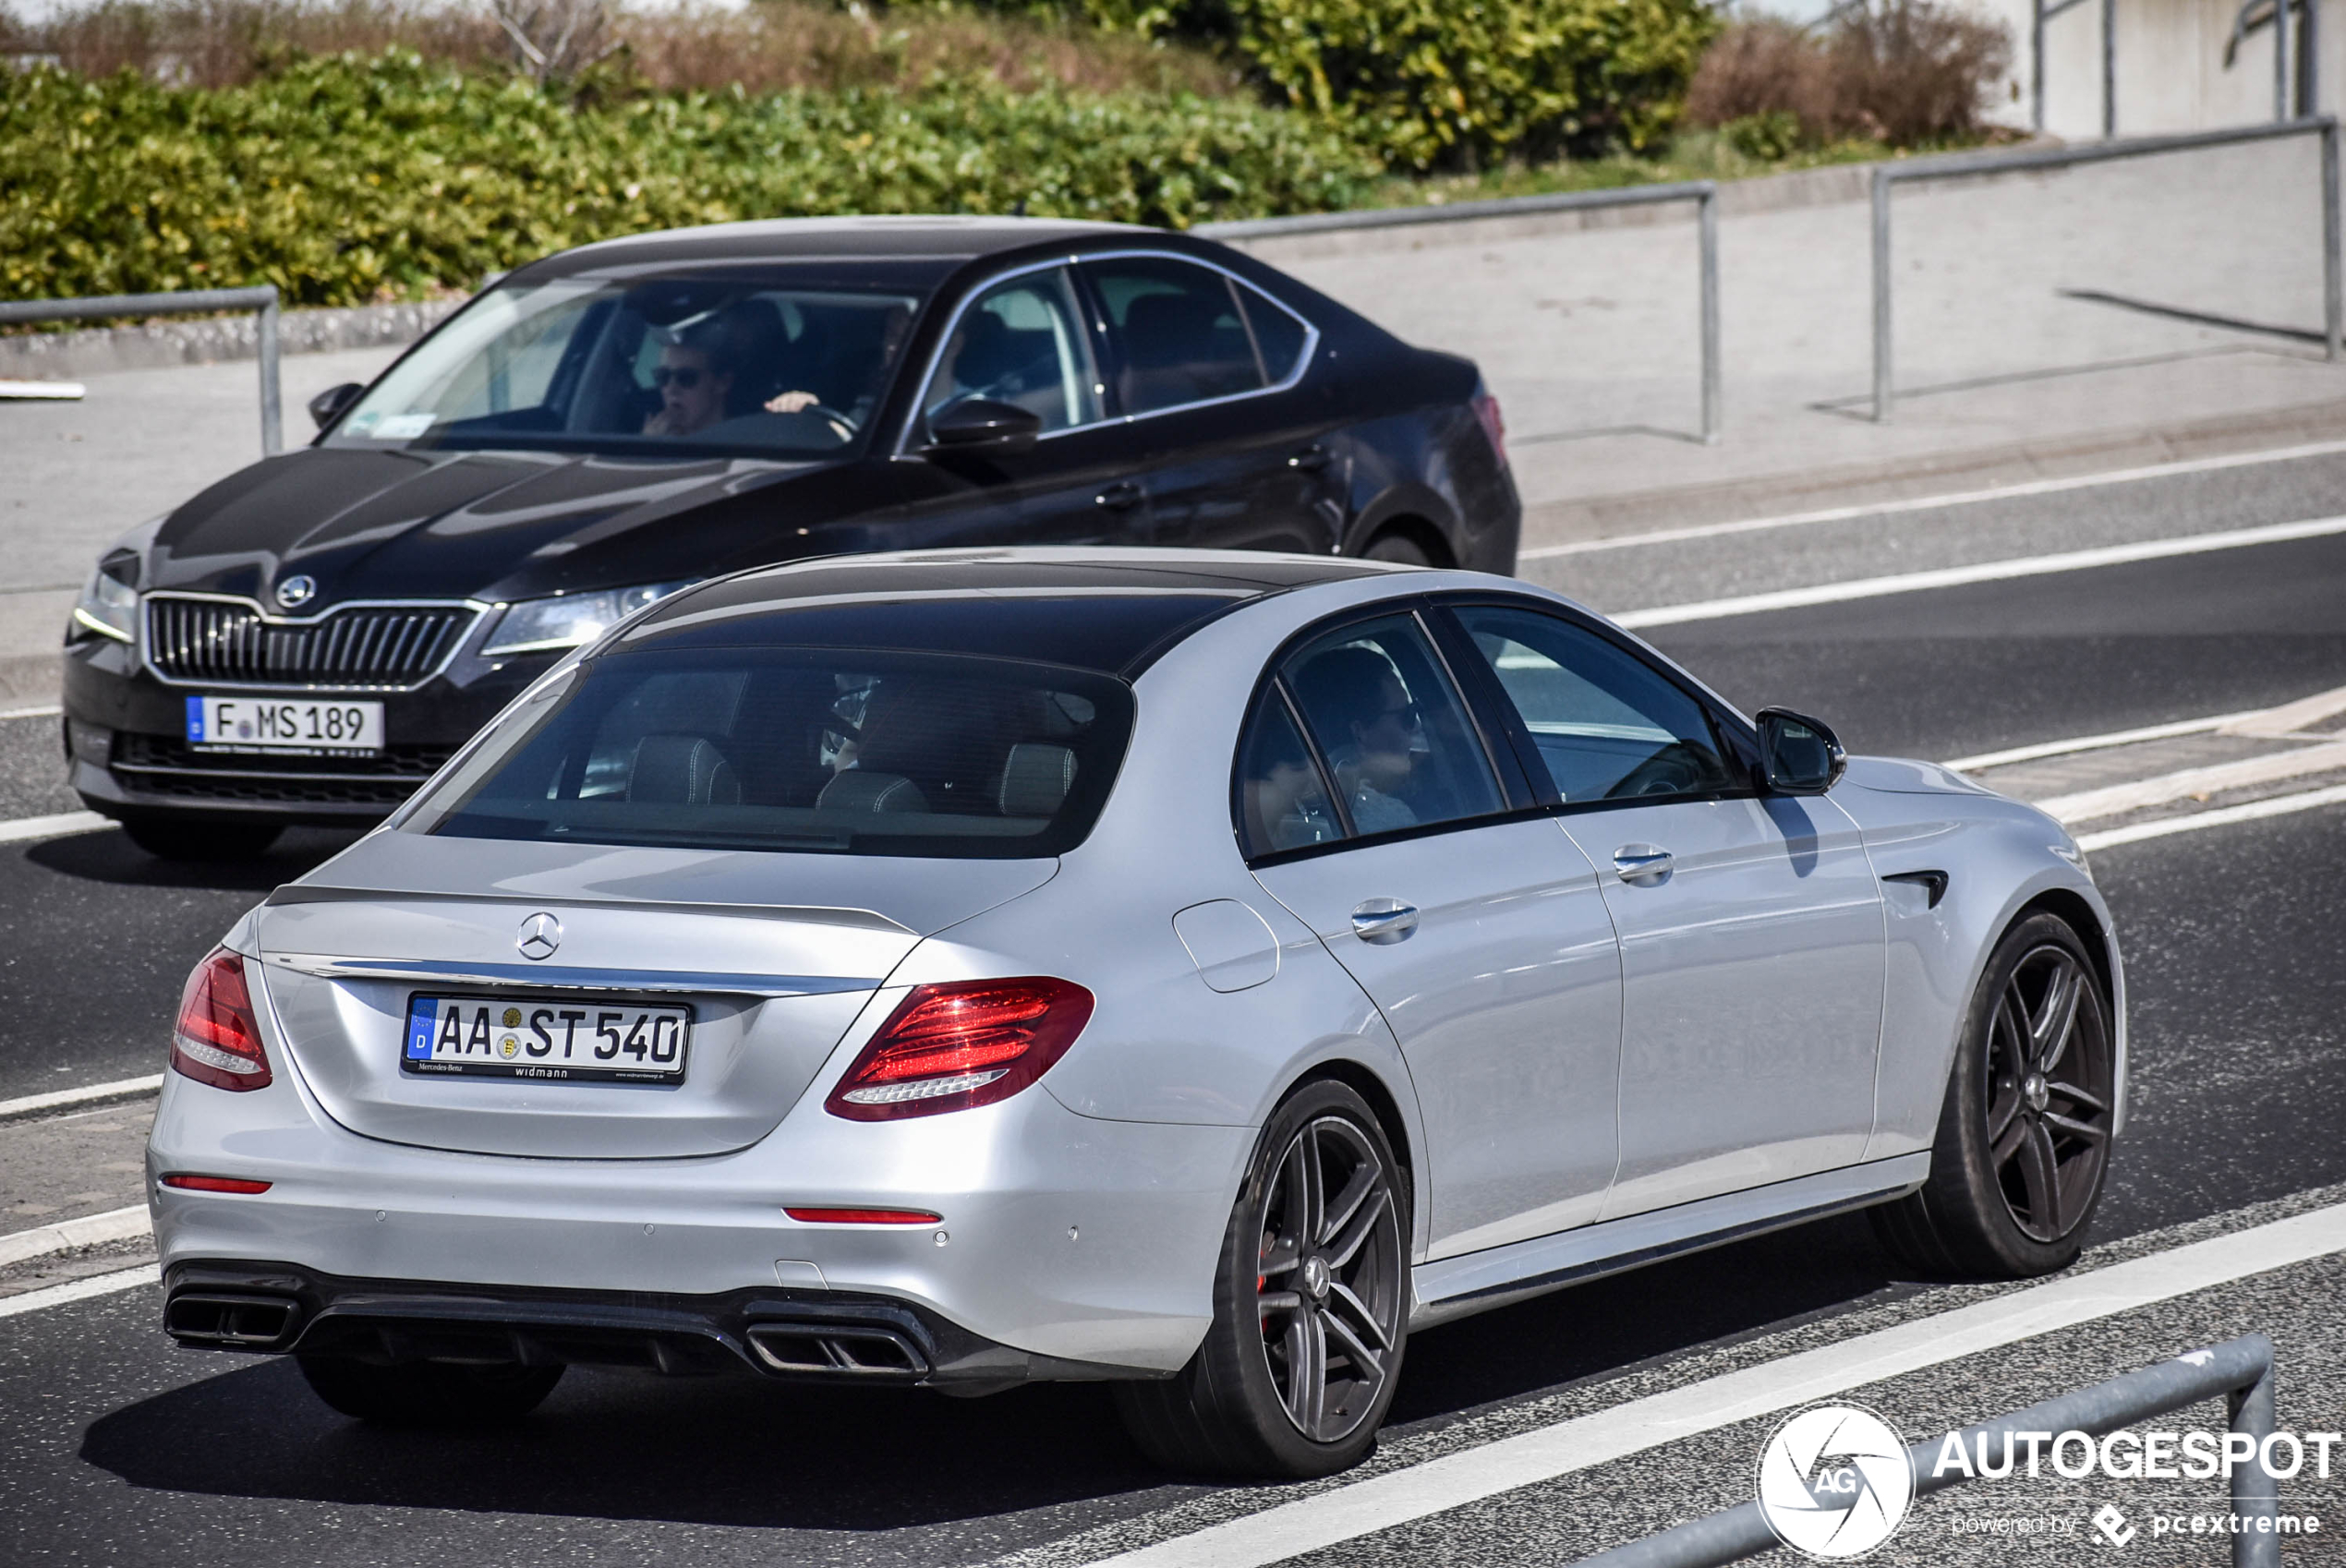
[117,1448]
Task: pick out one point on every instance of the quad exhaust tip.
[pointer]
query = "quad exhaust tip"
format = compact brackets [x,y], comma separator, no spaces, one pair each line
[237,1322]
[831,1350]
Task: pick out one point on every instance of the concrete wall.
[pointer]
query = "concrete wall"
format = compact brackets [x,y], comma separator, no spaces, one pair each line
[2171,66]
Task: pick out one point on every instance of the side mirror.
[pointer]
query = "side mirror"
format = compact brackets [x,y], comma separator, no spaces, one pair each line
[327,406]
[1802,755]
[980,426]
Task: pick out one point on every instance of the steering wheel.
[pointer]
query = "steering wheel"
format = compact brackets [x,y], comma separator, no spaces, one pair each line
[1666,773]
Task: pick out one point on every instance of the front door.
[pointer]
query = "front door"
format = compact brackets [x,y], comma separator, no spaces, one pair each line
[1022,342]
[1751,925]
[1484,940]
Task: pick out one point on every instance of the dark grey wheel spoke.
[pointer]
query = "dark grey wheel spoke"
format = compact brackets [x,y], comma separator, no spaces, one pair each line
[1366,1361]
[2085,1130]
[1281,1257]
[2040,1174]
[1270,1301]
[1307,1354]
[1347,1203]
[1343,1249]
[2056,1016]
[1356,1311]
[2000,1117]
[2015,1133]
[1313,1187]
[2070,1092]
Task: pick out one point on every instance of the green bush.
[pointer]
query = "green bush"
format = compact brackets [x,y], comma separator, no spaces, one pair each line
[347,180]
[1454,83]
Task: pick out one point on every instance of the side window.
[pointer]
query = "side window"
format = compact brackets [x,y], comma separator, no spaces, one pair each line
[1394,735]
[1608,726]
[1020,342]
[1179,333]
[1282,800]
[1279,334]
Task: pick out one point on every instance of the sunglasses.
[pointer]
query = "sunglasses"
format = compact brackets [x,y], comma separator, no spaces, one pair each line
[686,376]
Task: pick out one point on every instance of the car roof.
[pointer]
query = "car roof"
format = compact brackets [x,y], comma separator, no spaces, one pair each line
[1112,610]
[944,240]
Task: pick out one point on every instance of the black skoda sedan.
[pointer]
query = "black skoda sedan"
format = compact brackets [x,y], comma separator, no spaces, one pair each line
[308,639]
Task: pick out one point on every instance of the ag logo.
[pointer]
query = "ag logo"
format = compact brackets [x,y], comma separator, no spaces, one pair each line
[1834,1482]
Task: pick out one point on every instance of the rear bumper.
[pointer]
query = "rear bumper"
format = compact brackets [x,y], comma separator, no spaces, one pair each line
[796,1335]
[1068,1246]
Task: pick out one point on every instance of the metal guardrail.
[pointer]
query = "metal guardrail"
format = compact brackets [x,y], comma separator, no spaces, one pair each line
[262,300]
[1959,165]
[2241,1369]
[1704,194]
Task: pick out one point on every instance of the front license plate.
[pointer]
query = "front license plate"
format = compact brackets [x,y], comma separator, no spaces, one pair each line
[579,1042]
[295,725]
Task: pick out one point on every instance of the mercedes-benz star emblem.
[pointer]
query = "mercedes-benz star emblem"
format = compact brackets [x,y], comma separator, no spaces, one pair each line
[541,934]
[297,590]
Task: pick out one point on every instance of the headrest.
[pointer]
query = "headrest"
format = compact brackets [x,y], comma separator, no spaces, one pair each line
[682,770]
[857,789]
[1036,779]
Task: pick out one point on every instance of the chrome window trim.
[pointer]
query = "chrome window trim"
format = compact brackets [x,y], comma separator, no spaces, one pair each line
[560,977]
[464,639]
[1311,335]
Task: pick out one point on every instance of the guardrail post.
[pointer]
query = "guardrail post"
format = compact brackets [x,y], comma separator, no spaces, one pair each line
[2281,58]
[2109,68]
[2255,1490]
[2333,289]
[1707,220]
[2036,66]
[272,412]
[1881,371]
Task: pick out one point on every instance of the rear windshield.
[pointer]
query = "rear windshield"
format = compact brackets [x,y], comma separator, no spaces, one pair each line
[828,752]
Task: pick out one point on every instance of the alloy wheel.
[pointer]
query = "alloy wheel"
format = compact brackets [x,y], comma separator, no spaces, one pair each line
[1328,1284]
[2050,1088]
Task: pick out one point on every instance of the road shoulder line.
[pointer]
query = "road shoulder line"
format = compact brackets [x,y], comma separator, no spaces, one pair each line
[1982,571]
[79,1290]
[57,826]
[2222,816]
[88,1094]
[114,1224]
[1439,1485]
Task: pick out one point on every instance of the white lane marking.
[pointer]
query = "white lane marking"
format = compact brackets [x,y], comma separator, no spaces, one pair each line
[51,710]
[1982,571]
[79,1290]
[1986,760]
[2114,800]
[2223,816]
[1542,1454]
[2288,721]
[89,1093]
[1932,503]
[57,826]
[116,1224]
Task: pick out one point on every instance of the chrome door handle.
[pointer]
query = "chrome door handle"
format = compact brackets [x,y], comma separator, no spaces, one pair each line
[1384,921]
[1311,459]
[1640,862]
[1120,495]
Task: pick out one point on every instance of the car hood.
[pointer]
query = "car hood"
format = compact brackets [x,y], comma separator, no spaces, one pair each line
[495,525]
[776,954]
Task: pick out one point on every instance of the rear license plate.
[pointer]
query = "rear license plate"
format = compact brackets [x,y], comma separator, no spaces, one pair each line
[285,726]
[577,1041]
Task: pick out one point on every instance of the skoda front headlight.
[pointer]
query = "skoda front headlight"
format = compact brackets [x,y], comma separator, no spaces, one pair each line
[570,620]
[109,605]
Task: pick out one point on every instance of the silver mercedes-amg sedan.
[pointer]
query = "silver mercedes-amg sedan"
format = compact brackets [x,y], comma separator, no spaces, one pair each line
[1192,972]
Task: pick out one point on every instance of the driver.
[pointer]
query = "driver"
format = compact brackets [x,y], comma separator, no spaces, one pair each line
[1372,731]
[693,377]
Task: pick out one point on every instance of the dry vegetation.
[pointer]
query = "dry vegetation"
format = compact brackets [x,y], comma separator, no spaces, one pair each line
[774,44]
[1908,73]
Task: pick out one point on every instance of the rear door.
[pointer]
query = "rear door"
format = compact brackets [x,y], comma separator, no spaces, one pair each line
[1751,926]
[1209,374]
[1375,809]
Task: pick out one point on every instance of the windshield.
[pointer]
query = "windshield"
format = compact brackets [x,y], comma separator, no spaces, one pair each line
[780,362]
[834,752]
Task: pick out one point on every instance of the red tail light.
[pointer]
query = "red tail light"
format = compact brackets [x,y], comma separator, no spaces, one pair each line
[970,1042]
[189,1183]
[1486,408]
[217,1040]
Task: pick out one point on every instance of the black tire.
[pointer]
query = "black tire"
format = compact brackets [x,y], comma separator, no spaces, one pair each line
[2023,1148]
[1399,548]
[429,1394]
[1238,1407]
[186,838]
